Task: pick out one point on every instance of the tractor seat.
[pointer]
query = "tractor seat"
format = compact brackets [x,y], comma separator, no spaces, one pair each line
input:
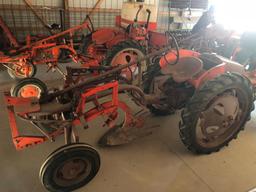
[185,69]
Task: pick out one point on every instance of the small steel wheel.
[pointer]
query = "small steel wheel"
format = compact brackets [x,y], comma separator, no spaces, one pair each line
[21,72]
[29,87]
[69,168]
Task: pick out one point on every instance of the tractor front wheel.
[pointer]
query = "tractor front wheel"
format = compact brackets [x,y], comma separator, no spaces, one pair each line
[69,168]
[216,113]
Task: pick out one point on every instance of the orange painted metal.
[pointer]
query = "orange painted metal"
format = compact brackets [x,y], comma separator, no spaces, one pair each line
[31,105]
[20,141]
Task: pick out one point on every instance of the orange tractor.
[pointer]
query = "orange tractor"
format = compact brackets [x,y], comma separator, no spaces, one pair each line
[215,94]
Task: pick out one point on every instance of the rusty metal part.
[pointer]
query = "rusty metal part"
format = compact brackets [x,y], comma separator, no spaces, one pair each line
[72,171]
[134,127]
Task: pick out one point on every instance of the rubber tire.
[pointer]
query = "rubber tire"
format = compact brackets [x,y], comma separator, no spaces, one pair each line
[13,76]
[111,53]
[201,99]
[16,87]
[154,70]
[54,159]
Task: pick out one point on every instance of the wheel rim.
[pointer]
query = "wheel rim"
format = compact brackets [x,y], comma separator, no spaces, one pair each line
[30,91]
[129,55]
[72,171]
[21,71]
[220,120]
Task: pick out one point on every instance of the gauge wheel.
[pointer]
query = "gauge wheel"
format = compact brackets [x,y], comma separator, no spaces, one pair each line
[216,113]
[19,72]
[123,53]
[29,87]
[69,168]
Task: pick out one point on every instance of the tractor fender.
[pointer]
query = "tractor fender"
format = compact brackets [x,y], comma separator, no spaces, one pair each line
[231,67]
[104,35]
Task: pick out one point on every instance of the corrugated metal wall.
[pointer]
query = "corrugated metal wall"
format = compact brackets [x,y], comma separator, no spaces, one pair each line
[22,21]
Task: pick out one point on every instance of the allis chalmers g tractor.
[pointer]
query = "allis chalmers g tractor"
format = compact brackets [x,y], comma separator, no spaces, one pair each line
[111,45]
[216,95]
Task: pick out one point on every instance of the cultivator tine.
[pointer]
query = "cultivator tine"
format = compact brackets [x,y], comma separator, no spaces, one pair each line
[129,131]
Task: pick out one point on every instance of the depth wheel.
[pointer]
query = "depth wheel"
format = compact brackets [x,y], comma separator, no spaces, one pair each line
[216,113]
[123,53]
[69,167]
[29,87]
[18,72]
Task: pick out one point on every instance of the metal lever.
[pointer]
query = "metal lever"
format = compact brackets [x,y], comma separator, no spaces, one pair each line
[148,19]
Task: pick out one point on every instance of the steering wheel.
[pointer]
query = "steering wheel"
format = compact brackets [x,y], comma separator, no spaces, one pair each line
[172,41]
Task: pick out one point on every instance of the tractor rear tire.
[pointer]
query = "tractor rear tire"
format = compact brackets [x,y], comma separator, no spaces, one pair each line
[194,115]
[125,47]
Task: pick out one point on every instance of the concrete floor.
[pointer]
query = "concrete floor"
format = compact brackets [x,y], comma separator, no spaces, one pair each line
[158,162]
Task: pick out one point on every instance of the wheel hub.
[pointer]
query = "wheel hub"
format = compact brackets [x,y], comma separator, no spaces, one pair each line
[30,91]
[72,169]
[22,70]
[219,116]
[124,58]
